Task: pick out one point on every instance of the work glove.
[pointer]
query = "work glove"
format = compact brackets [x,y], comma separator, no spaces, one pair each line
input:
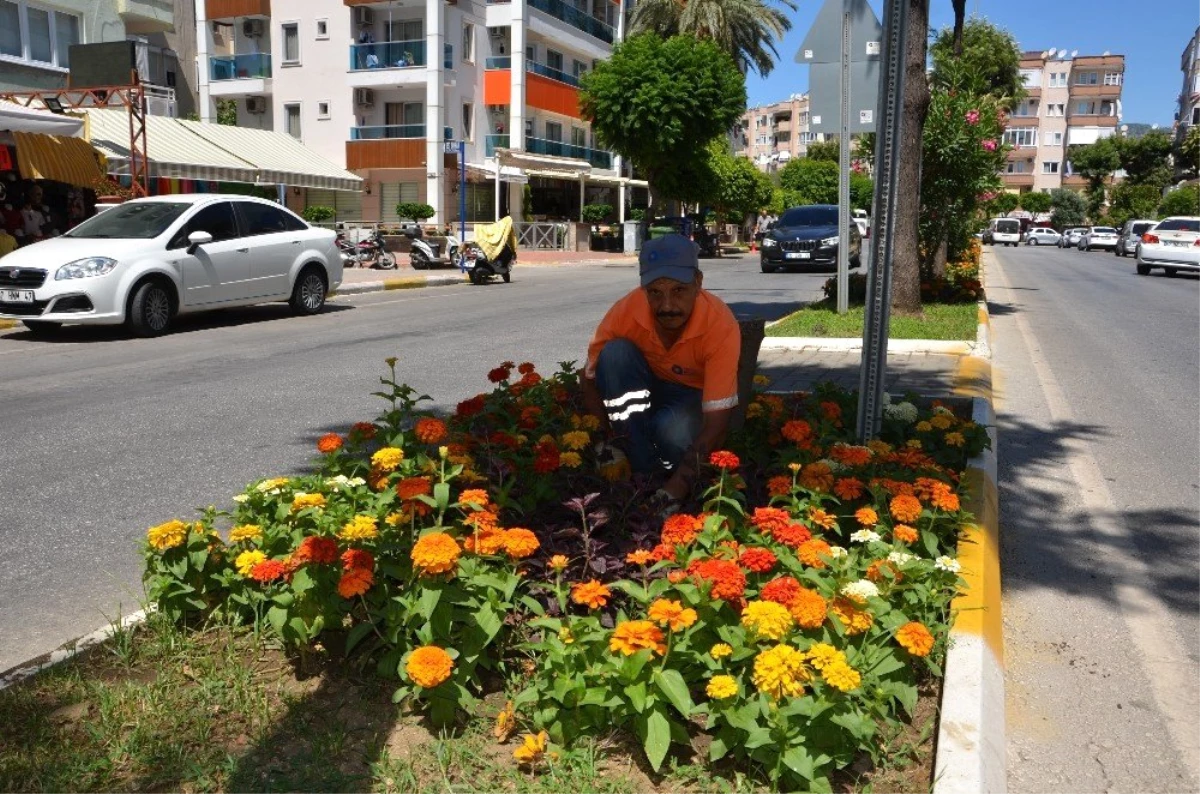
[611,462]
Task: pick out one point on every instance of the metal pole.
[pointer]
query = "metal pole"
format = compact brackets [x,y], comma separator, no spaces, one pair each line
[843,261]
[462,190]
[887,167]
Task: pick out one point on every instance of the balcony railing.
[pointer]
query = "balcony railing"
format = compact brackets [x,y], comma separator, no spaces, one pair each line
[504,62]
[239,67]
[387,55]
[387,131]
[574,17]
[596,157]
[551,72]
[493,142]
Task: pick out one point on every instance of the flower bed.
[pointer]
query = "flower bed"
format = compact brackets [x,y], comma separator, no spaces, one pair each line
[792,612]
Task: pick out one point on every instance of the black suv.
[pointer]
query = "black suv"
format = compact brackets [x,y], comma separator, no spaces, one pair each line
[807,237]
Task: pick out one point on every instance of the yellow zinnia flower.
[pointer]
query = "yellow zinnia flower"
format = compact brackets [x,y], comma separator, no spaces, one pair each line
[780,672]
[245,532]
[387,459]
[532,749]
[168,535]
[360,528]
[721,687]
[767,619]
[720,651]
[576,439]
[246,561]
[570,460]
[822,654]
[840,675]
[302,500]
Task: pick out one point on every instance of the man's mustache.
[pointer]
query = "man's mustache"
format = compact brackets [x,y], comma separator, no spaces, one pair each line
[665,315]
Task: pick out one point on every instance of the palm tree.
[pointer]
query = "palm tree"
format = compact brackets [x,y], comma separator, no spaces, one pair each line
[746,29]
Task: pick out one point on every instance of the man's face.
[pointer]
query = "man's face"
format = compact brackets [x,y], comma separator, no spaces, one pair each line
[671,301]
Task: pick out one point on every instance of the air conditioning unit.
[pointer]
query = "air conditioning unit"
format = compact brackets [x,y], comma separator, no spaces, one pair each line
[497,110]
[364,97]
[496,34]
[252,28]
[256,104]
[364,15]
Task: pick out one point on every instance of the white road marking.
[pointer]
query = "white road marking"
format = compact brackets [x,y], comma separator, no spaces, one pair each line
[1169,670]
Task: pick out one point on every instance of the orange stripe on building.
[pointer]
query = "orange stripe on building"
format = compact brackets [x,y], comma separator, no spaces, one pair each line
[497,87]
[546,94]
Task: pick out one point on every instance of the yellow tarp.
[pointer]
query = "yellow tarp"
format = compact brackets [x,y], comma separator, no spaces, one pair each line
[492,237]
[70,160]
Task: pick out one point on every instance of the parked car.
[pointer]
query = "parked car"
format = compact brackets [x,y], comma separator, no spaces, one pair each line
[1003,231]
[1042,235]
[1172,244]
[807,237]
[1070,237]
[147,260]
[1098,237]
[1131,235]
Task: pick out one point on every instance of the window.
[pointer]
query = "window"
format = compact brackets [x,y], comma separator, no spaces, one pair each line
[468,42]
[448,56]
[66,33]
[1054,109]
[468,115]
[10,30]
[323,110]
[579,137]
[554,59]
[38,28]
[1049,167]
[803,118]
[1021,137]
[1032,78]
[1028,107]
[1087,78]
[1053,139]
[783,137]
[216,219]
[1017,167]
[1085,108]
[264,219]
[1112,78]
[403,113]
[322,28]
[554,131]
[1058,79]
[292,120]
[291,42]
[1196,115]
[579,68]
[36,34]
[406,30]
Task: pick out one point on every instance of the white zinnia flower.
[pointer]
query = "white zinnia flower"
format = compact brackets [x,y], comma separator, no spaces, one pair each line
[864,536]
[834,466]
[354,482]
[241,498]
[900,557]
[861,590]
[905,412]
[837,552]
[948,564]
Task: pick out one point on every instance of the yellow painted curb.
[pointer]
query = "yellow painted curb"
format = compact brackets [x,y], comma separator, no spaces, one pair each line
[978,607]
[8,324]
[974,378]
[403,283]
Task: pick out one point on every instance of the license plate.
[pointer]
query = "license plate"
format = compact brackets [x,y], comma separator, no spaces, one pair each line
[798,255]
[16,296]
[1177,243]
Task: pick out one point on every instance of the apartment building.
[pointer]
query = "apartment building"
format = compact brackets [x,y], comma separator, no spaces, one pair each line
[1187,112]
[1071,99]
[35,41]
[770,135]
[381,87]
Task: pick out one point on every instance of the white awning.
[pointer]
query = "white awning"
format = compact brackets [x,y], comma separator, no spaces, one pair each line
[508,173]
[18,118]
[279,158]
[559,167]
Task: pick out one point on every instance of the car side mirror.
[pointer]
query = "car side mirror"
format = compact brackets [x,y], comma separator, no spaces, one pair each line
[197,239]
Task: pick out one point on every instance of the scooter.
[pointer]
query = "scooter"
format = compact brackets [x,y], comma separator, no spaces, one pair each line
[372,253]
[423,255]
[493,252]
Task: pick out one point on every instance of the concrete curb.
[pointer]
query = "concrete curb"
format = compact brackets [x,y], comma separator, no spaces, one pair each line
[819,344]
[402,282]
[971,729]
[8,324]
[68,650]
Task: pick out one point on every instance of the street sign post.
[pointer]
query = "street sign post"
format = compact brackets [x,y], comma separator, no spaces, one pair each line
[460,148]
[842,49]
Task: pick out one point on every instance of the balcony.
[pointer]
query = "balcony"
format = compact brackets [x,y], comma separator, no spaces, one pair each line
[1017,180]
[1098,91]
[1091,120]
[597,157]
[385,153]
[493,142]
[387,131]
[387,64]
[575,18]
[238,75]
[229,9]
[147,16]
[548,71]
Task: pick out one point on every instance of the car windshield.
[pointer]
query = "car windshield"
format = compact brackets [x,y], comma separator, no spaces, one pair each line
[1179,225]
[134,221]
[1104,230]
[1007,227]
[809,216]
[1138,228]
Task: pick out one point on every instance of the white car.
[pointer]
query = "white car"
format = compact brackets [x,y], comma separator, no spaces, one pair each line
[1173,244]
[142,262]
[1098,237]
[1042,235]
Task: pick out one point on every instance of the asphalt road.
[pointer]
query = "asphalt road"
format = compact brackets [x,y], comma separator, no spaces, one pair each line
[1097,372]
[104,436]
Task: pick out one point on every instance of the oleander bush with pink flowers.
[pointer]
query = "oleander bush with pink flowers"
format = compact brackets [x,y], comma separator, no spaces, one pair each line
[789,614]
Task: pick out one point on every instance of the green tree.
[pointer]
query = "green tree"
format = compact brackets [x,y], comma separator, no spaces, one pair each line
[741,189]
[1181,201]
[989,61]
[814,181]
[1146,159]
[745,29]
[639,109]
[1067,208]
[318,213]
[1187,158]
[1133,201]
[824,150]
[864,149]
[227,112]
[1095,162]
[1035,202]
[1004,203]
[414,211]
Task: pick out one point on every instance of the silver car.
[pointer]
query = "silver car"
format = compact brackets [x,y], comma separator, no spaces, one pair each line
[1070,237]
[1042,235]
[1173,244]
[1098,237]
[1131,235]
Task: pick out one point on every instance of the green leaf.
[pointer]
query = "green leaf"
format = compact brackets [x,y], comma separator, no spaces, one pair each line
[658,738]
[757,738]
[533,605]
[356,634]
[637,696]
[719,747]
[799,761]
[632,666]
[430,595]
[671,684]
[277,617]
[441,494]
[489,623]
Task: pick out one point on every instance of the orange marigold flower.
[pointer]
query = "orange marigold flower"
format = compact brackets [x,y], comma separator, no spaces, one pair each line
[947,501]
[485,540]
[481,520]
[531,379]
[809,608]
[724,459]
[913,637]
[532,749]
[639,557]
[797,431]
[474,496]
[435,553]
[878,571]
[430,430]
[849,488]
[810,552]
[675,577]
[681,528]
[330,442]
[520,543]
[905,534]
[429,666]
[782,590]
[850,455]
[663,552]
[728,580]
[319,550]
[791,535]
[831,410]
[821,518]
[866,516]
[558,563]
[354,582]
[358,559]
[817,477]
[591,594]
[768,519]
[855,618]
[779,485]
[905,508]
[268,571]
[671,614]
[757,559]
[635,635]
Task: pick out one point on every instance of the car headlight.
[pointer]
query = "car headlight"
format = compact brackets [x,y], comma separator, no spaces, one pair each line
[830,241]
[85,268]
[769,243]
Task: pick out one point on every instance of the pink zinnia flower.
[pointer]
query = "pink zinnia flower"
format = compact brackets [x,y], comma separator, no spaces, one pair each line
[972,116]
[989,145]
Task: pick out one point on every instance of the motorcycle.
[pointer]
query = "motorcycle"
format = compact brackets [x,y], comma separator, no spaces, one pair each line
[372,253]
[493,252]
[424,254]
[346,250]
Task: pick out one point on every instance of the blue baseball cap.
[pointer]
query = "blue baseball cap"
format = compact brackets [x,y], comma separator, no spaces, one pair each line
[671,256]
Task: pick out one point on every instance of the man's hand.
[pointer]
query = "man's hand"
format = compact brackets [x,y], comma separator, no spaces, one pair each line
[611,462]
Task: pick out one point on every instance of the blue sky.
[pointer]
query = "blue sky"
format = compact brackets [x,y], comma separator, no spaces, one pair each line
[1151,34]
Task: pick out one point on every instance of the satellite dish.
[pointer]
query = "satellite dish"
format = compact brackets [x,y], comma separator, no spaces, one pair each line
[1105,52]
[1074,53]
[1050,54]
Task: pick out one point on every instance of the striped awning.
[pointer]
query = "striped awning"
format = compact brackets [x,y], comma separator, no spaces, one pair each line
[62,159]
[279,158]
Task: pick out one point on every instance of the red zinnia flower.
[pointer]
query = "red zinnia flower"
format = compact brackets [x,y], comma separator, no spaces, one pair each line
[723,459]
[782,590]
[319,550]
[499,374]
[525,368]
[358,559]
[767,519]
[268,571]
[757,559]
[547,459]
[728,580]
[330,442]
[791,535]
[468,408]
[430,430]
[848,488]
[363,430]
[681,528]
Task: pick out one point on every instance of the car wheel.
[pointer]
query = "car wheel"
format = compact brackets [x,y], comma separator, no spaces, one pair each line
[1143,270]
[42,329]
[767,268]
[150,309]
[477,276]
[308,295]
[1034,241]
[507,276]
[418,260]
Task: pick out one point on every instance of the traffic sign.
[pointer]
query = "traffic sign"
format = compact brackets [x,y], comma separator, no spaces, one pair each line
[825,97]
[823,44]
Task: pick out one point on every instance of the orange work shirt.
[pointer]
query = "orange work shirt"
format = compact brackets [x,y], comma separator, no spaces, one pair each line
[705,357]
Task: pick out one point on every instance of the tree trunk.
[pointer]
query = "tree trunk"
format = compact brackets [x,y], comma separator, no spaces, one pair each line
[906,264]
[960,12]
[939,260]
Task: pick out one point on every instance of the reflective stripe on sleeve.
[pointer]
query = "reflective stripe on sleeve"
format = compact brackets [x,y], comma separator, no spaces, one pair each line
[629,396]
[719,405]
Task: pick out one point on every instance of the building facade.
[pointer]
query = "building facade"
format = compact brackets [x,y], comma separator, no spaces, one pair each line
[771,135]
[1070,100]
[1187,111]
[381,87]
[35,41]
